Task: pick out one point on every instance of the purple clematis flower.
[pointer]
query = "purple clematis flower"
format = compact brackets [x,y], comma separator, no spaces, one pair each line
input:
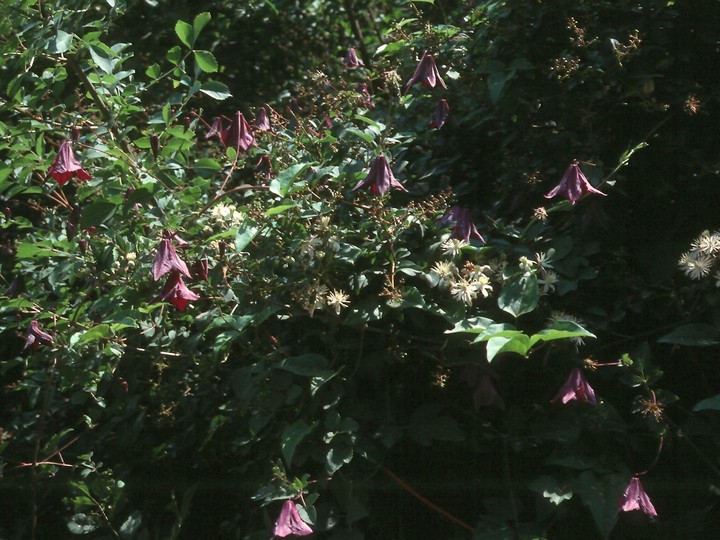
[485,394]
[351,59]
[167,260]
[289,522]
[36,336]
[576,388]
[464,228]
[240,135]
[366,99]
[635,498]
[441,114]
[66,165]
[176,292]
[380,178]
[426,73]
[218,129]
[573,185]
[262,122]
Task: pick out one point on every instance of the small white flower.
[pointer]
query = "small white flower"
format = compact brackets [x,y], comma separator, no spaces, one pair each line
[464,290]
[707,244]
[338,299]
[482,285]
[547,281]
[453,247]
[315,298]
[696,265]
[544,259]
[526,264]
[444,269]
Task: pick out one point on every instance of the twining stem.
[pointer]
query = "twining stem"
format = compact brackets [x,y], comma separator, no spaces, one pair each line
[447,515]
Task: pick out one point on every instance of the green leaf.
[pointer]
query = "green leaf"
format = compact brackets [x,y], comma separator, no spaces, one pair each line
[692,335]
[519,344]
[153,71]
[560,330]
[245,234]
[215,90]
[474,325]
[185,32]
[102,59]
[173,55]
[31,250]
[496,83]
[340,454]
[201,19]
[206,61]
[61,43]
[100,331]
[280,185]
[292,436]
[520,295]
[97,213]
[275,210]
[709,404]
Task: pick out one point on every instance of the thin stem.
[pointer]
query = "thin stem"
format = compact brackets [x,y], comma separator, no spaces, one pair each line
[425,501]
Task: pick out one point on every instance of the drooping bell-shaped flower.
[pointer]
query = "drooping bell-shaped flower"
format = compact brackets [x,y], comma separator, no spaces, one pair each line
[576,388]
[240,135]
[635,498]
[36,336]
[167,260]
[463,228]
[262,121]
[66,165]
[380,178]
[289,522]
[441,114]
[426,73]
[351,59]
[176,292]
[366,99]
[485,394]
[573,185]
[218,129]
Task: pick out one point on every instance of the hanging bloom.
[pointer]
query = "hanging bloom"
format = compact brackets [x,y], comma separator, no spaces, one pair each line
[573,185]
[464,228]
[66,165]
[485,394]
[155,144]
[441,114]
[635,498]
[380,178]
[576,388]
[262,122]
[366,99]
[36,336]
[167,260]
[176,292]
[351,59]
[289,522]
[218,129]
[240,135]
[426,73]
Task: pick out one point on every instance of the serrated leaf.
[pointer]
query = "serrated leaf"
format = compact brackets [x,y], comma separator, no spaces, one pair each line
[185,32]
[201,19]
[206,61]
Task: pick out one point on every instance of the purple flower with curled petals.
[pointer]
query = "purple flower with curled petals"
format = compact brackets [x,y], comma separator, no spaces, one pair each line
[635,498]
[441,114]
[66,165]
[426,73]
[218,129]
[240,135]
[573,185]
[36,336]
[167,260]
[351,59]
[576,388]
[176,292]
[380,178]
[289,522]
[463,228]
